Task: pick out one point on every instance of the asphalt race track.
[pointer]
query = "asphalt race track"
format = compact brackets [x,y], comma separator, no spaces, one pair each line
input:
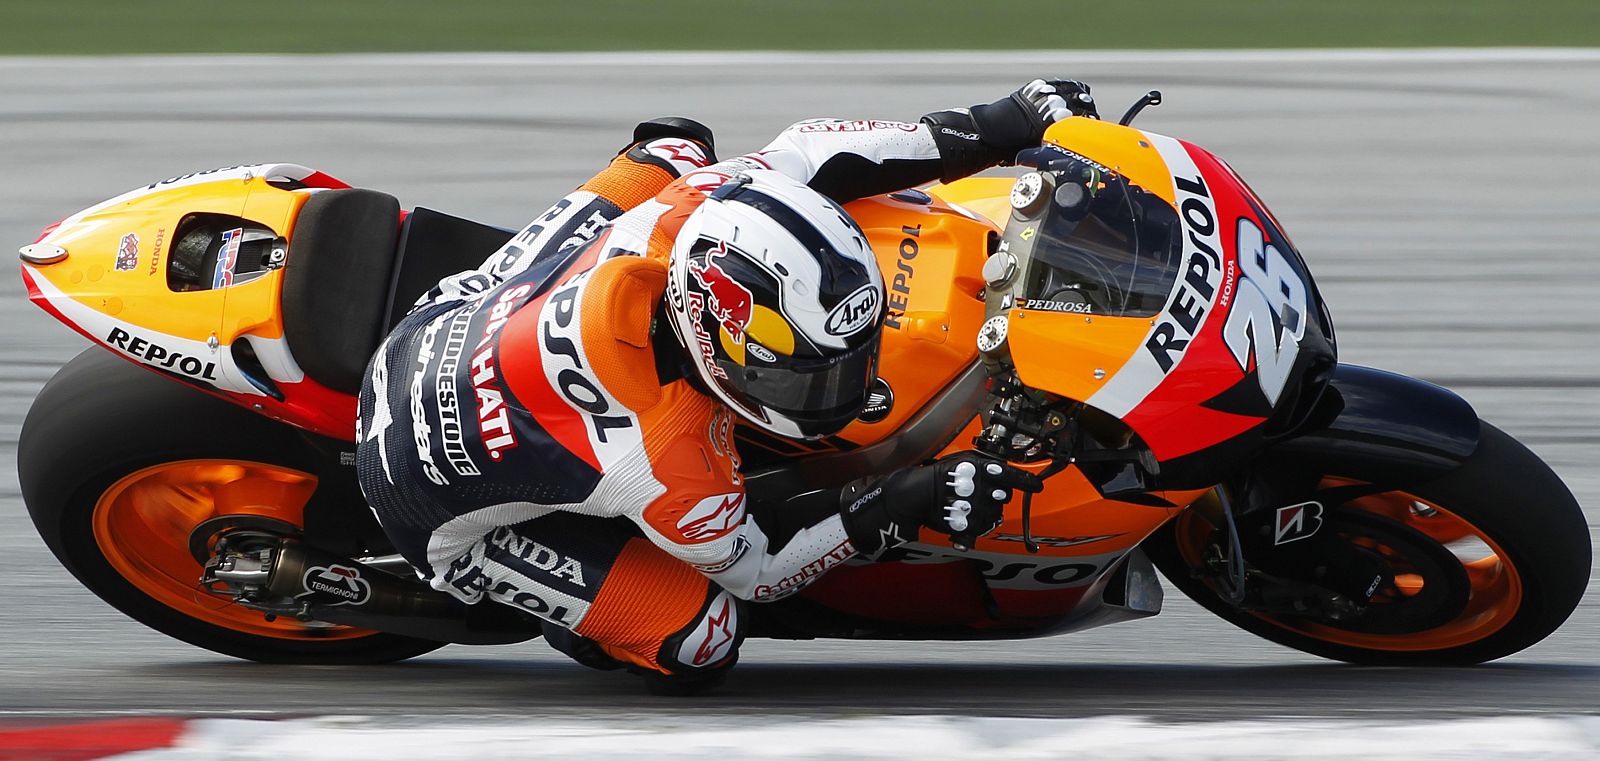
[1447,203]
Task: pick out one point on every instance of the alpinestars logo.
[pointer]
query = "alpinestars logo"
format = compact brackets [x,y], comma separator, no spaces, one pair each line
[681,154]
[712,517]
[720,629]
[888,538]
[1297,522]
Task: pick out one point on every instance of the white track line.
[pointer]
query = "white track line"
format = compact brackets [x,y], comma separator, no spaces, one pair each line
[845,58]
[896,739]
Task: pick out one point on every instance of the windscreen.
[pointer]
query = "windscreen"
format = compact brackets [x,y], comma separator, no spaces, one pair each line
[1101,245]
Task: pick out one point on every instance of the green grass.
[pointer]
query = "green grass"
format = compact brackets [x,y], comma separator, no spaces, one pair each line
[307,26]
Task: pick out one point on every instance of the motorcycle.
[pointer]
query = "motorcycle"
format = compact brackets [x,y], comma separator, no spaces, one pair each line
[1126,319]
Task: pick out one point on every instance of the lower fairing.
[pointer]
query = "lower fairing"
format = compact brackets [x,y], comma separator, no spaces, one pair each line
[1128,589]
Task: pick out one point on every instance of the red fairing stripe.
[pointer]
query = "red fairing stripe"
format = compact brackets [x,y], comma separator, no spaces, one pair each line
[320,180]
[37,297]
[306,404]
[1171,419]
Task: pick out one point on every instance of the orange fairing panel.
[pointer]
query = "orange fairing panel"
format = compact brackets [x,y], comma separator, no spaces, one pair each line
[1124,150]
[989,197]
[1071,354]
[931,256]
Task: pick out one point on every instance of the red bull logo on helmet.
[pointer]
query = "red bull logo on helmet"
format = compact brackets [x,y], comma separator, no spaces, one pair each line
[730,303]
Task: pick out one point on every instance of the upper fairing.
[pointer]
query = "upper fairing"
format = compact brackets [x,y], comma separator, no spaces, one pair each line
[1241,329]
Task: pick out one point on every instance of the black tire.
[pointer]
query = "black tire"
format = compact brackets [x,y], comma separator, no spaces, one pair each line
[1506,492]
[100,419]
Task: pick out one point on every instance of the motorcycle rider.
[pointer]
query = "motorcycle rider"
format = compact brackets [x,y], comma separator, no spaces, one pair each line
[593,369]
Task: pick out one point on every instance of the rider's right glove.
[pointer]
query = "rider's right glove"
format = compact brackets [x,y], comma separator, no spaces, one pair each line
[973,139]
[963,495]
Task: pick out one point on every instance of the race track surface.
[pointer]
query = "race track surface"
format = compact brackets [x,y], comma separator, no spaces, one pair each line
[1447,204]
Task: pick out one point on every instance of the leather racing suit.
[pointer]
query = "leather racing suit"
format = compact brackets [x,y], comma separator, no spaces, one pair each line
[525,436]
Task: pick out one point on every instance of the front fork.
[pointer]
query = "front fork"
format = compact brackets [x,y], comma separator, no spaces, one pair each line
[280,576]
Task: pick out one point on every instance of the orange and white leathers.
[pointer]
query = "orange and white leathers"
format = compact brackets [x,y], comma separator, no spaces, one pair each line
[533,385]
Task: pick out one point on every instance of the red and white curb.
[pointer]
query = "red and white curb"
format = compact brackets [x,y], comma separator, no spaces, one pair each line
[897,738]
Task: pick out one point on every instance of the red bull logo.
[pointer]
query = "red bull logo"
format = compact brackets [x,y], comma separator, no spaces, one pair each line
[730,303]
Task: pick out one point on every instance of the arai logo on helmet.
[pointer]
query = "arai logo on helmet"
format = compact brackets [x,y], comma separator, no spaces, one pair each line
[760,352]
[856,311]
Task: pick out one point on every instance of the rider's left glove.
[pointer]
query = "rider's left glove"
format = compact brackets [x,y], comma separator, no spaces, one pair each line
[962,495]
[973,139]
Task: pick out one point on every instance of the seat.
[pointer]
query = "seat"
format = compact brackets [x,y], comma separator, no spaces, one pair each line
[354,268]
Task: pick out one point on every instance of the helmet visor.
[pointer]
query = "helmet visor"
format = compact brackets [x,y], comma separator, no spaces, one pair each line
[808,389]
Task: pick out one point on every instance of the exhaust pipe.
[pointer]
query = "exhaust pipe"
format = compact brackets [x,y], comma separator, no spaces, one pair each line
[328,587]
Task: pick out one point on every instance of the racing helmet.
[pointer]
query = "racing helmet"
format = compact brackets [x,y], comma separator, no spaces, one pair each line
[776,296]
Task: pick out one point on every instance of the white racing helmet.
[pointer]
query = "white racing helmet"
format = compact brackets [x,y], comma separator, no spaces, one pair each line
[776,295]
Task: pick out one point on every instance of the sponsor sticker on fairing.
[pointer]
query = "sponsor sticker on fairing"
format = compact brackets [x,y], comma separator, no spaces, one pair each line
[1190,301]
[128,253]
[1047,305]
[155,252]
[157,355]
[227,258]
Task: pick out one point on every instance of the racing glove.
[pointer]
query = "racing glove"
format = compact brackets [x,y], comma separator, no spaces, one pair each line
[962,495]
[973,139]
[674,126]
[674,143]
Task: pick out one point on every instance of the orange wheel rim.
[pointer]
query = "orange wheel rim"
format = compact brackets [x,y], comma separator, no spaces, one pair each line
[142,526]
[1494,597]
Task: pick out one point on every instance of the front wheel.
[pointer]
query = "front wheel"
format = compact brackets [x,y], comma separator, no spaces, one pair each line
[123,470]
[1474,565]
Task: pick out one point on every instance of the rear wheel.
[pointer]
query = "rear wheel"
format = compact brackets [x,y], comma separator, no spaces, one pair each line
[1475,565]
[127,476]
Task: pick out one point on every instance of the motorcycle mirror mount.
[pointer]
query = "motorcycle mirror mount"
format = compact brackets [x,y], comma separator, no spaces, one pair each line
[1152,98]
